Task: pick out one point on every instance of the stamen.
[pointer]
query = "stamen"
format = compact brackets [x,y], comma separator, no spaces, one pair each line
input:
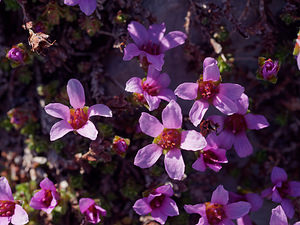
[7,208]
[207,89]
[215,213]
[169,139]
[78,117]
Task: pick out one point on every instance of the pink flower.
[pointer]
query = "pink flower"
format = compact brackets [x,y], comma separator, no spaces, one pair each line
[16,54]
[158,204]
[232,129]
[169,138]
[92,212]
[282,189]
[278,217]
[218,211]
[76,118]
[10,210]
[209,90]
[211,156]
[47,198]
[151,44]
[153,88]
[86,6]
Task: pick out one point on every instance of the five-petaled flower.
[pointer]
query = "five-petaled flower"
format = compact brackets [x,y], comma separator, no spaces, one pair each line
[218,211]
[92,212]
[153,88]
[209,90]
[232,129]
[47,198]
[282,189]
[278,217]
[151,44]
[169,138]
[76,118]
[86,6]
[10,210]
[158,203]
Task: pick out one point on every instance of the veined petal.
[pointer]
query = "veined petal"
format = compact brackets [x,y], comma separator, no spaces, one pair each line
[85,203]
[167,95]
[220,195]
[60,129]
[138,33]
[174,164]
[159,216]
[169,207]
[5,191]
[242,104]
[232,91]
[237,209]
[172,40]
[134,84]
[156,32]
[99,110]
[141,207]
[278,217]
[278,175]
[88,130]
[58,110]
[187,91]
[88,6]
[198,111]
[192,140]
[76,93]
[256,122]
[157,61]
[147,156]
[150,125]
[130,51]
[20,216]
[172,116]
[71,2]
[224,104]
[210,69]
[153,101]
[165,189]
[47,184]
[242,145]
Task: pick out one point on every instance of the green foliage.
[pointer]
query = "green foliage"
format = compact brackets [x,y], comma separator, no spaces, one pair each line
[131,189]
[106,129]
[223,66]
[38,144]
[30,128]
[11,5]
[76,181]
[6,124]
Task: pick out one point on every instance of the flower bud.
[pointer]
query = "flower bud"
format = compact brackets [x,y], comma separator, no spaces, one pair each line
[268,69]
[120,145]
[16,54]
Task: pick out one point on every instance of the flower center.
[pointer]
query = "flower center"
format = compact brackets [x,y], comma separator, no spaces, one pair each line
[207,89]
[151,89]
[151,48]
[169,139]
[208,126]
[7,208]
[236,123]
[209,157]
[78,117]
[214,213]
[92,209]
[46,200]
[157,201]
[139,98]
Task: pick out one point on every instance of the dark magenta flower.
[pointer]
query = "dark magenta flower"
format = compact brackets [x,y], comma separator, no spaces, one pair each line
[278,217]
[232,129]
[16,54]
[268,69]
[151,44]
[158,204]
[282,189]
[86,6]
[153,88]
[92,212]
[120,145]
[209,90]
[10,210]
[218,211]
[47,198]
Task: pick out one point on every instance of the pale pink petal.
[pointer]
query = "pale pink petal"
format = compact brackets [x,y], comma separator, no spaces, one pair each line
[147,156]
[5,191]
[278,175]
[156,32]
[242,104]
[60,129]
[224,104]
[130,51]
[164,80]
[199,164]
[20,216]
[138,33]
[174,164]
[167,95]
[288,208]
[157,61]
[242,145]
[198,111]
[202,222]
[220,195]
[278,217]
[294,188]
[169,207]
[4,220]
[153,101]
[172,116]
[226,139]
[150,125]
[172,40]
[199,209]
[159,216]
[192,140]
[237,209]
[76,93]
[88,6]
[187,91]
[71,2]
[256,122]
[88,130]
[99,110]
[85,203]
[210,69]
[134,84]
[141,207]
[298,61]
[58,110]
[165,189]
[47,184]
[232,91]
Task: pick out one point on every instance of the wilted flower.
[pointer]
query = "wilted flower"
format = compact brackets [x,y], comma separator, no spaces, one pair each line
[158,203]
[92,212]
[120,145]
[278,217]
[268,69]
[10,210]
[153,88]
[76,118]
[209,90]
[151,44]
[297,50]
[232,129]
[169,138]
[218,211]
[86,6]
[282,189]
[47,198]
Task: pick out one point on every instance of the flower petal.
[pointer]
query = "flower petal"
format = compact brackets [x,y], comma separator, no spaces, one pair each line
[157,61]
[167,95]
[156,32]
[47,184]
[255,200]
[165,189]
[85,203]
[294,188]
[88,6]
[172,116]
[256,122]
[152,101]
[5,191]
[199,164]
[130,51]
[159,216]
[4,220]
[172,40]
[58,110]
[220,195]
[199,209]
[219,120]
[169,207]
[164,80]
[226,221]
[210,69]
[232,91]
[76,93]
[187,91]
[242,145]
[20,216]
[278,175]
[245,220]
[237,209]
[192,140]
[150,125]
[288,208]
[226,139]
[36,200]
[278,217]
[138,33]
[99,110]
[147,156]
[267,192]
[141,207]
[224,104]
[60,129]
[134,84]
[174,164]
[71,2]
[88,130]
[198,111]
[242,104]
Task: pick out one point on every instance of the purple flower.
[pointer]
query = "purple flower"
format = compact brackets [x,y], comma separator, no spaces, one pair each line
[76,118]
[10,211]
[169,138]
[158,203]
[92,212]
[209,90]
[268,69]
[120,145]
[86,6]
[153,88]
[296,51]
[47,198]
[282,189]
[278,217]
[218,211]
[151,44]
[16,54]
[232,129]
[211,156]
